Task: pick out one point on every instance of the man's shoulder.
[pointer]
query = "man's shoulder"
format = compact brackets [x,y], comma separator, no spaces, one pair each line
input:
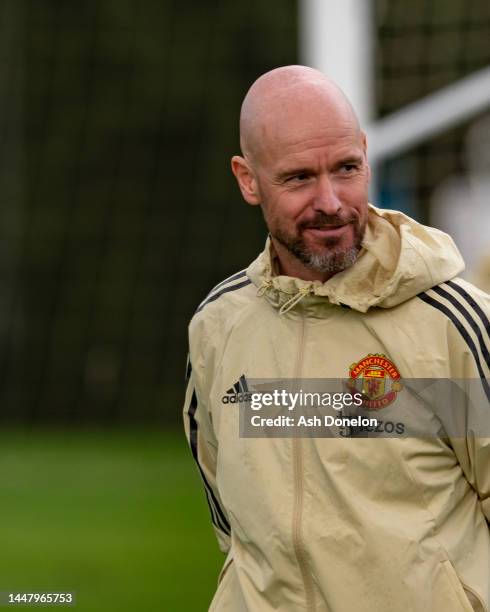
[455,313]
[457,298]
[229,294]
[220,310]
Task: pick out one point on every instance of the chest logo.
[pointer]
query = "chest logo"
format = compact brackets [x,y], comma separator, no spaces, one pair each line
[237,394]
[377,379]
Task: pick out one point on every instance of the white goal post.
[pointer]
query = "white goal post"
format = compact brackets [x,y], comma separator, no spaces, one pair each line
[336,37]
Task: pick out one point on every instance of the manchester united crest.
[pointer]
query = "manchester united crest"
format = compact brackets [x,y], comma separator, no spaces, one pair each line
[377,379]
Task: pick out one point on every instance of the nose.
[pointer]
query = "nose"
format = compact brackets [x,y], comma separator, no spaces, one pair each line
[325,197]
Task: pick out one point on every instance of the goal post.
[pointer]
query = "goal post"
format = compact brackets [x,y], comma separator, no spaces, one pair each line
[338,38]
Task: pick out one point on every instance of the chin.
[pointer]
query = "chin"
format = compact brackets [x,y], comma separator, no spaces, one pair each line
[327,245]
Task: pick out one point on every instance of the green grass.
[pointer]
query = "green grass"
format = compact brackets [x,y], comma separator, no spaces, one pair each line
[118,517]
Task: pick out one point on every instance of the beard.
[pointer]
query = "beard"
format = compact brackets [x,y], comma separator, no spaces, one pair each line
[328,258]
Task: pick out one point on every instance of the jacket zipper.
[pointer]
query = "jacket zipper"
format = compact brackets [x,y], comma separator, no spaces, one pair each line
[298,544]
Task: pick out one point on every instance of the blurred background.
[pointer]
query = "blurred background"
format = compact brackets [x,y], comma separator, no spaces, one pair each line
[118,214]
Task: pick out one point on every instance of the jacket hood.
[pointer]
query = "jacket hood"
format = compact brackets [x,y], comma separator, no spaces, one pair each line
[399,259]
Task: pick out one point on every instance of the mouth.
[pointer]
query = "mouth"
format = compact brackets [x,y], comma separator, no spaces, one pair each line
[327,231]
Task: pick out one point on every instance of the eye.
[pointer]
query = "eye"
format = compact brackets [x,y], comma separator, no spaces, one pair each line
[300,177]
[348,168]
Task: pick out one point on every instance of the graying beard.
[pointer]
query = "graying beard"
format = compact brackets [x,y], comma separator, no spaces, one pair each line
[332,262]
[329,262]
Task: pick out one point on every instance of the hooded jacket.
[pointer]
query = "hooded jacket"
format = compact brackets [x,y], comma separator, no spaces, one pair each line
[329,524]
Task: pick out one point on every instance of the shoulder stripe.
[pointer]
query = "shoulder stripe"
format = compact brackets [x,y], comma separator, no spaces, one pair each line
[229,279]
[472,303]
[219,519]
[215,296]
[467,338]
[473,324]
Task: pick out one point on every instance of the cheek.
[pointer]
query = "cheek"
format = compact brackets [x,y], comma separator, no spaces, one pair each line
[293,204]
[355,195]
[284,208]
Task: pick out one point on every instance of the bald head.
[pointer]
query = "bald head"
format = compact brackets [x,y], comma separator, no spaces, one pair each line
[285,93]
[304,163]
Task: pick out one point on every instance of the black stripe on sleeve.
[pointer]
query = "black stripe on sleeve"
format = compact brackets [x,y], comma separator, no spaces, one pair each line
[222,284]
[472,303]
[222,521]
[214,517]
[473,324]
[215,296]
[467,338]
[228,280]
[188,370]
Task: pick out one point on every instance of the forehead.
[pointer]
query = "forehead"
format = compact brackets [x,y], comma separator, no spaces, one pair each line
[305,119]
[309,144]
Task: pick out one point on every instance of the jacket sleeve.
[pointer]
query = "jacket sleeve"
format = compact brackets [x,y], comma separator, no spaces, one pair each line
[473,454]
[474,458]
[203,445]
[473,449]
[472,366]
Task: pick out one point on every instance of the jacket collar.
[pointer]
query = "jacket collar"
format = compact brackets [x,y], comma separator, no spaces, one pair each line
[399,258]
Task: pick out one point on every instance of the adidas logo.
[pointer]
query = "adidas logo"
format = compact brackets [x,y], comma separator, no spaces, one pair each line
[237,394]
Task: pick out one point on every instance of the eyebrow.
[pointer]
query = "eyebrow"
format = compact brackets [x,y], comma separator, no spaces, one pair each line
[350,159]
[292,172]
[288,172]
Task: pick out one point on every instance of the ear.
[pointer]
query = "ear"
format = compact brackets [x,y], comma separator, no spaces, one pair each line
[364,148]
[245,177]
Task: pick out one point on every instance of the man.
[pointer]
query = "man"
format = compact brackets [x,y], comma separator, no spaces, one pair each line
[337,524]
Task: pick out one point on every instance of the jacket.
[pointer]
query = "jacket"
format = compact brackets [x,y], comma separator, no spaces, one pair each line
[343,524]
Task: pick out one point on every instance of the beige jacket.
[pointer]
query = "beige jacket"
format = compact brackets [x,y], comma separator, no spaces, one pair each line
[343,525]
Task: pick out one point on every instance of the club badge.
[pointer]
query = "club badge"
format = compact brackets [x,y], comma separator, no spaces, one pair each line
[377,379]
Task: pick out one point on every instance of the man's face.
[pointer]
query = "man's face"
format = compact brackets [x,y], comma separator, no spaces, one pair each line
[313,188]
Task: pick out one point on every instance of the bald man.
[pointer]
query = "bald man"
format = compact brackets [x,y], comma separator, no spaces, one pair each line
[328,519]
[293,121]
